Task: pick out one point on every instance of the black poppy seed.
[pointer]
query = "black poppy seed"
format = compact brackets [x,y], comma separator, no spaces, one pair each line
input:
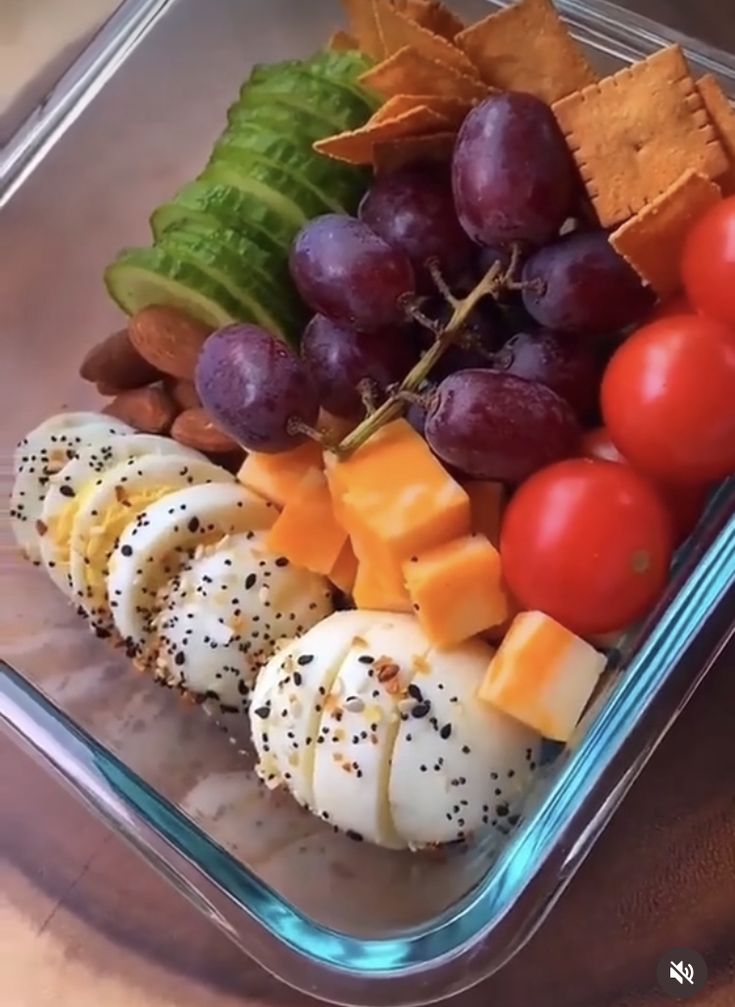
[465,749]
[250,581]
[423,768]
[511,773]
[281,561]
[127,550]
[498,792]
[262,711]
[355,836]
[445,732]
[366,659]
[305,659]
[415,693]
[421,710]
[502,810]
[531,766]
[67,491]
[298,678]
[493,776]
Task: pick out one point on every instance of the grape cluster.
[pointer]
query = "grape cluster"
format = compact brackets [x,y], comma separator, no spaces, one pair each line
[515,386]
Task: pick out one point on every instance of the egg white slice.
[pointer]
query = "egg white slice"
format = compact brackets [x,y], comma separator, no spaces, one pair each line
[358,728]
[164,536]
[59,431]
[66,493]
[38,458]
[462,766]
[289,699]
[214,633]
[116,499]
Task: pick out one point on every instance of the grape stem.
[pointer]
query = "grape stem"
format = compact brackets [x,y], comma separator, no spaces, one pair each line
[494,280]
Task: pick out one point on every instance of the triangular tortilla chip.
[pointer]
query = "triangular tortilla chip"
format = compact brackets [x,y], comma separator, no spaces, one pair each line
[342,41]
[364,23]
[407,71]
[398,30]
[433,15]
[357,147]
[454,110]
[435,148]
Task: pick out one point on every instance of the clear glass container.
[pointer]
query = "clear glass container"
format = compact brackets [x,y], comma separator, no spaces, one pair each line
[343,921]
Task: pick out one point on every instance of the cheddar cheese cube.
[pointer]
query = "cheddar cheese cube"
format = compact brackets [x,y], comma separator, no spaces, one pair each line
[457,589]
[276,477]
[543,675]
[307,531]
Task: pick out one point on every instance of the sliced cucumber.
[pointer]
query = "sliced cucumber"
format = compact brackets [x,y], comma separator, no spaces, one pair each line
[213,205]
[298,126]
[258,279]
[338,186]
[140,277]
[283,192]
[342,109]
[343,68]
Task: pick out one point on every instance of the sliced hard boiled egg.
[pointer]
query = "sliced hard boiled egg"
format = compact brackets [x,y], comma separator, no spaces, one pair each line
[115,500]
[67,490]
[289,700]
[38,457]
[460,767]
[359,725]
[214,633]
[164,535]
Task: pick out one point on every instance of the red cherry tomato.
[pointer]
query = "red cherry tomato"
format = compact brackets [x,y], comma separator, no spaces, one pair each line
[708,264]
[587,542]
[685,504]
[668,400]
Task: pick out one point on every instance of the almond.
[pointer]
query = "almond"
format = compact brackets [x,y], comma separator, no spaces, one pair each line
[116,363]
[148,410]
[183,393]
[168,339]
[195,429]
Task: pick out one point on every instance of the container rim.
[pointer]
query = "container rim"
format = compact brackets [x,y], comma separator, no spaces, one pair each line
[478,935]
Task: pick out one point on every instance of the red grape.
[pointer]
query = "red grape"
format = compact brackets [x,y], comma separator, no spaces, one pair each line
[345,271]
[252,384]
[565,363]
[580,284]
[413,210]
[491,425]
[339,358]
[512,172]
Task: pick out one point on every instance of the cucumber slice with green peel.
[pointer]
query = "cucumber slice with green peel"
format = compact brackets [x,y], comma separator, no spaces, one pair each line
[304,127]
[212,205]
[283,192]
[256,279]
[339,186]
[141,277]
[341,108]
[344,68]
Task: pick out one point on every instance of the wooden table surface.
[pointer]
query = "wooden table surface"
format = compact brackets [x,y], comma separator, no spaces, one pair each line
[83,921]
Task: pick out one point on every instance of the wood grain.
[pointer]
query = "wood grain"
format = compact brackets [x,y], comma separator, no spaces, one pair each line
[83,921]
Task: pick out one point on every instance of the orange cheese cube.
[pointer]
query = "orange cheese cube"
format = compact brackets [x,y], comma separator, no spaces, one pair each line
[398,493]
[344,571]
[543,675]
[457,589]
[487,500]
[276,477]
[306,531]
[380,587]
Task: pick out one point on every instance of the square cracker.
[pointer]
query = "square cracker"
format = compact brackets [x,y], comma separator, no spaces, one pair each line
[653,241]
[722,115]
[357,147]
[364,23]
[409,71]
[635,133]
[398,30]
[454,110]
[527,47]
[434,148]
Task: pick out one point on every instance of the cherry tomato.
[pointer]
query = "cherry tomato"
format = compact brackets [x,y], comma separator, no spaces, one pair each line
[587,542]
[685,504]
[668,400]
[708,264]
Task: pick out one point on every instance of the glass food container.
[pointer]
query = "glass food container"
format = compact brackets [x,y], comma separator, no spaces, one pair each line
[344,921]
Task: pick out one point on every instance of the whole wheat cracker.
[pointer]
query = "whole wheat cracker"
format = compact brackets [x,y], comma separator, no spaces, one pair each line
[653,240]
[527,47]
[634,134]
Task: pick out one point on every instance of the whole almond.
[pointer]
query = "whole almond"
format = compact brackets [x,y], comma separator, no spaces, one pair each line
[168,339]
[194,428]
[183,393]
[148,410]
[115,362]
